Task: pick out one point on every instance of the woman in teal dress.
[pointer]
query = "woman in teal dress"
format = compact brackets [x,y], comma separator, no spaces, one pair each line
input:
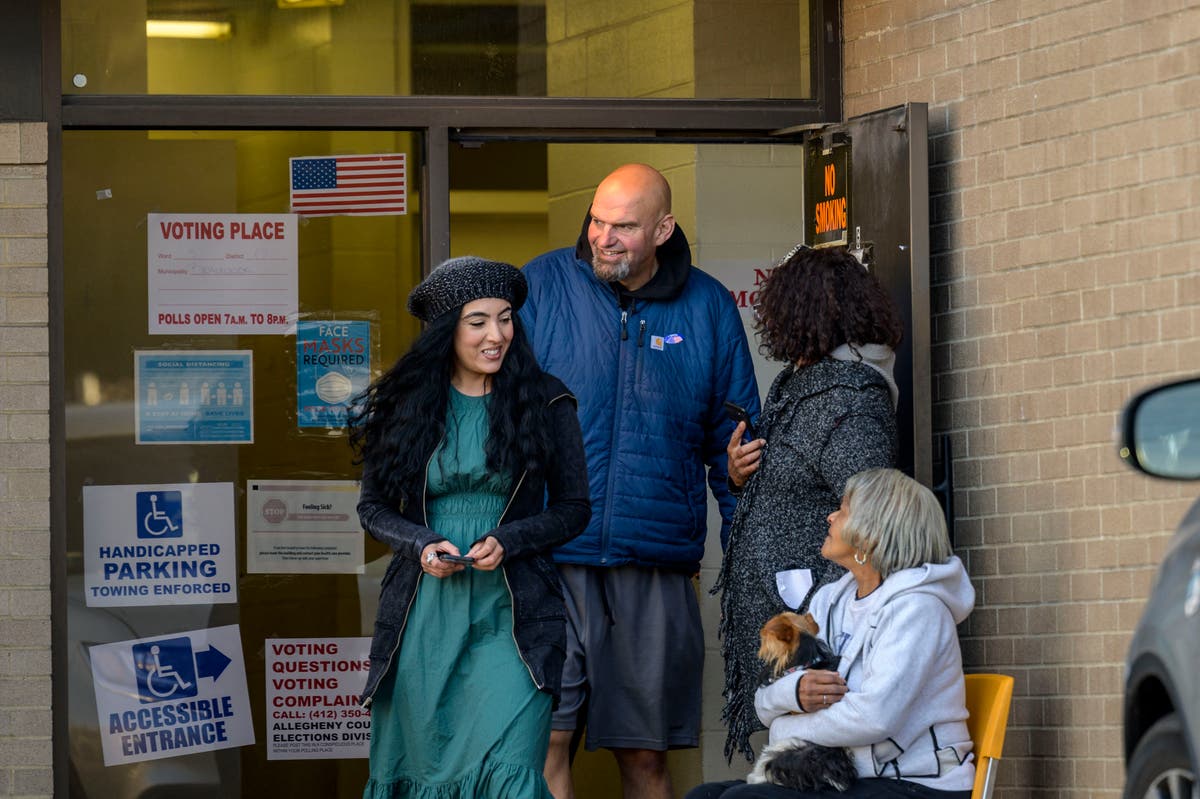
[467,448]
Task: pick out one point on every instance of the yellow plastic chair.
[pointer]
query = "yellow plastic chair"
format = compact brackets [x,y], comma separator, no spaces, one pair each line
[988,700]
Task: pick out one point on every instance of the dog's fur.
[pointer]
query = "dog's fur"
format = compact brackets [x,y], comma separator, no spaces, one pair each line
[788,641]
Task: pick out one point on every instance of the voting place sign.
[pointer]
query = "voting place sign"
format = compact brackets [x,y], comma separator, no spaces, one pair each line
[159,544]
[171,695]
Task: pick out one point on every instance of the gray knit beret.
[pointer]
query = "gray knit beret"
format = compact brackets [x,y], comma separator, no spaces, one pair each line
[458,281]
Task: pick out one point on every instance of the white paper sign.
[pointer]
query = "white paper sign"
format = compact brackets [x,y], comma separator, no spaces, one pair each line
[222,273]
[303,526]
[159,544]
[313,686]
[171,695]
[793,585]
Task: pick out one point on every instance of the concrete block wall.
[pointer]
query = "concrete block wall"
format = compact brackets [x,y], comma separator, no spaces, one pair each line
[25,763]
[622,49]
[1065,215]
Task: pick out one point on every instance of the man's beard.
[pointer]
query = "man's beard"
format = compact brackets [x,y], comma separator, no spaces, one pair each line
[610,272]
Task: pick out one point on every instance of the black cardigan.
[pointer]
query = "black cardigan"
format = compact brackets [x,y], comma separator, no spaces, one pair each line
[544,510]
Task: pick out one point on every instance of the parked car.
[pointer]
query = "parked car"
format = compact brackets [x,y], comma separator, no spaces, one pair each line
[1160,435]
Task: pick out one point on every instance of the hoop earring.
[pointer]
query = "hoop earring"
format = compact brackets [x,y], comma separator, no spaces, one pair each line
[860,561]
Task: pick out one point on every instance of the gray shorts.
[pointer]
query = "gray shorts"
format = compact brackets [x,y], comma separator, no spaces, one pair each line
[635,657]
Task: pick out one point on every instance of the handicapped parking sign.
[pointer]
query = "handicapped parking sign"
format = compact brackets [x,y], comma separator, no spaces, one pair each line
[159,544]
[160,514]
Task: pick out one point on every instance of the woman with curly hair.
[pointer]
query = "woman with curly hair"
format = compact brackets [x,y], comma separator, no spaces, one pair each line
[467,446]
[828,415]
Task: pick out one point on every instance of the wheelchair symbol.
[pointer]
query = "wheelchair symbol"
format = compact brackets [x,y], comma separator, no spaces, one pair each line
[165,670]
[158,672]
[160,514]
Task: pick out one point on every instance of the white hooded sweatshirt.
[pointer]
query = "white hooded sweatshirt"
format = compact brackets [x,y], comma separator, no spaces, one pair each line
[904,715]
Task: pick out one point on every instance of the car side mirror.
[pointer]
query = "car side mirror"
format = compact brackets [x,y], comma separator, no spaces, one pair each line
[1160,431]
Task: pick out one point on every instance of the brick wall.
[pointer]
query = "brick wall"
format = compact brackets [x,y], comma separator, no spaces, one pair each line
[24,465]
[1065,238]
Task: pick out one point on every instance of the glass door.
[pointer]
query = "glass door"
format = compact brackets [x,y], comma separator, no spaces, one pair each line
[181,395]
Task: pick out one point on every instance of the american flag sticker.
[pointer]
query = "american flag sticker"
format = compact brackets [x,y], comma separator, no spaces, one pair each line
[362,185]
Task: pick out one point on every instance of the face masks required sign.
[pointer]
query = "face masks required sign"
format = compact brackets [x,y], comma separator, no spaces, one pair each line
[333,366]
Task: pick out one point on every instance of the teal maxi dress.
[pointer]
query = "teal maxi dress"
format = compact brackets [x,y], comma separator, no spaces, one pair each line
[459,716]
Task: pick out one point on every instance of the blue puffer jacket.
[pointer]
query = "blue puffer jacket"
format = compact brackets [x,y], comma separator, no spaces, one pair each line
[651,370]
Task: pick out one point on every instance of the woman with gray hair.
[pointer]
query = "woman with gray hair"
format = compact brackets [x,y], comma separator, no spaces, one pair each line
[897,700]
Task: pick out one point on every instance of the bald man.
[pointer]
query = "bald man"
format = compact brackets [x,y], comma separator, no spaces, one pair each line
[652,347]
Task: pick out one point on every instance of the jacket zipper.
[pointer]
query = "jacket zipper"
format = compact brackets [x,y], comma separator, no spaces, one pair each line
[411,600]
[513,495]
[616,433]
[641,338]
[512,598]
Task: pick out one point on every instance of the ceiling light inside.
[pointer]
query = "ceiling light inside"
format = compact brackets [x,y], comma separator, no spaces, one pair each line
[308,3]
[188,29]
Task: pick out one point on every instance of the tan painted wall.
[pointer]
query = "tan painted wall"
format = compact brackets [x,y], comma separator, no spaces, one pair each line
[24,465]
[1065,240]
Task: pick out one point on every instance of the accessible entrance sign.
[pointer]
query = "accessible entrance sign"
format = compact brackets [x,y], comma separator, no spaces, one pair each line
[169,696]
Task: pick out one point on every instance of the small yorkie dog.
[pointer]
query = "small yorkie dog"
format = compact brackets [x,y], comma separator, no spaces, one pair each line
[789,641]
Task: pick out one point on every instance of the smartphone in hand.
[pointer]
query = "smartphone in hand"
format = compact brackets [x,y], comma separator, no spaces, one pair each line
[738,414]
[452,558]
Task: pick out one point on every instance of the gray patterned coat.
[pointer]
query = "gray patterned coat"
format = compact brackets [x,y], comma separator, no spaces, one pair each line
[823,423]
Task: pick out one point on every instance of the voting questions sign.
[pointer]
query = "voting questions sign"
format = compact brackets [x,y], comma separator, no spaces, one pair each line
[313,686]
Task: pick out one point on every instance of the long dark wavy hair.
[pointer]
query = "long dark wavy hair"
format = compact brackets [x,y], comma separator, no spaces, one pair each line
[401,417]
[817,300]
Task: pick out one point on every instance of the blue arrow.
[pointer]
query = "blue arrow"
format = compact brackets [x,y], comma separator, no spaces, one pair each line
[211,663]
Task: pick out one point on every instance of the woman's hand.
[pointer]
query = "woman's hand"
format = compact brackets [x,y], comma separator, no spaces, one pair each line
[819,689]
[488,553]
[743,458]
[434,566]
